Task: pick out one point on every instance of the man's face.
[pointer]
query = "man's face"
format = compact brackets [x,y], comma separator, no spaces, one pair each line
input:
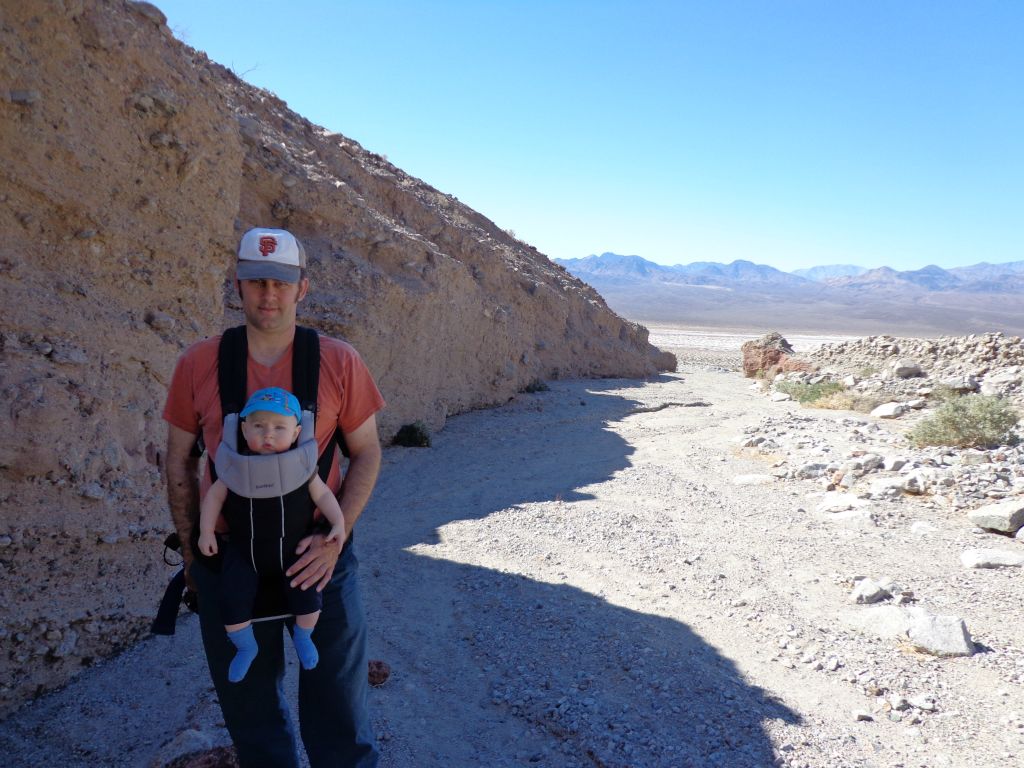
[270,305]
[268,432]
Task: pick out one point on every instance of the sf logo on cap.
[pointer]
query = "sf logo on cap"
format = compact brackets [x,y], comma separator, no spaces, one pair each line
[268,244]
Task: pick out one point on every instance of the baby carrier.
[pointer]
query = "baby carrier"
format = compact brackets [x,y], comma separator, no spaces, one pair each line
[236,470]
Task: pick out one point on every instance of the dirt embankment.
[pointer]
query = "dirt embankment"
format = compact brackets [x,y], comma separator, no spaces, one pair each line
[131,165]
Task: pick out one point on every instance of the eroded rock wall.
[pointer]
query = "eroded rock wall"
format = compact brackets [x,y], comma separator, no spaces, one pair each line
[131,165]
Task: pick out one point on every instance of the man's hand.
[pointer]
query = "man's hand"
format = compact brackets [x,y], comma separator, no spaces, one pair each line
[317,561]
[319,556]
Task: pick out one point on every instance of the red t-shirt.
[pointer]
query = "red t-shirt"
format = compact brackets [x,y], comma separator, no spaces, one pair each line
[347,397]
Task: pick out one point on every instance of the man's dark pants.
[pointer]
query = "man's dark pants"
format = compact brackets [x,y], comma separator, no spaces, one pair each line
[333,717]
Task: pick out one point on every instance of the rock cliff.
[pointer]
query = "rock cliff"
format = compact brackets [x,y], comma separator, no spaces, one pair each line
[131,165]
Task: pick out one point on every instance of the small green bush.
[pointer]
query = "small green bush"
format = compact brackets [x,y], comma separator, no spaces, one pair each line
[806,394]
[971,421]
[537,385]
[846,400]
[943,394]
[415,435]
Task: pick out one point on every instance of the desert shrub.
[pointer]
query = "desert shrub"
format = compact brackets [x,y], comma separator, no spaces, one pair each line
[845,400]
[415,435]
[970,421]
[943,394]
[806,394]
[537,385]
[867,371]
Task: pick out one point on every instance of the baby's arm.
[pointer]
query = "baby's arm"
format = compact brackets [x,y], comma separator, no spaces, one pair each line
[328,505]
[209,511]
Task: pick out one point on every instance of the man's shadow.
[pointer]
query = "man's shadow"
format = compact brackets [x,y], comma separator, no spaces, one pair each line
[547,673]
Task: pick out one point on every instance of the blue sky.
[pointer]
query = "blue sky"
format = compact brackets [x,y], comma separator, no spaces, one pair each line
[787,133]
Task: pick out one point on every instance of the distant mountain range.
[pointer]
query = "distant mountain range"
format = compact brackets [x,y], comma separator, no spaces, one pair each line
[833,270]
[841,297]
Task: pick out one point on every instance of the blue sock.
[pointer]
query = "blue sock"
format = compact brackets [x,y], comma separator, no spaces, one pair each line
[304,648]
[245,642]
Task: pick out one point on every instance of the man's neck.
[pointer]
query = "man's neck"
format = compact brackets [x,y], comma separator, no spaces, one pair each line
[266,348]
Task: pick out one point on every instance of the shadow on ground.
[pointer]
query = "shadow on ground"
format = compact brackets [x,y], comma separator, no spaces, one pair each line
[547,673]
[489,668]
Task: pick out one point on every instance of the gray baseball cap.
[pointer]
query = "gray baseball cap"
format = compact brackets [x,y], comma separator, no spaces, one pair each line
[270,254]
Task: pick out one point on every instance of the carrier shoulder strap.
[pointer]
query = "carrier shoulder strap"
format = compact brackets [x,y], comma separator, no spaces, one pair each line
[232,360]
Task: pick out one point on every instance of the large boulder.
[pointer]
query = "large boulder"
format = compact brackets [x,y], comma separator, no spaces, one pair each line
[768,355]
[1005,516]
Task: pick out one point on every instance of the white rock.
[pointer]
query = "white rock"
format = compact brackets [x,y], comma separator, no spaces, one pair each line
[67,646]
[93,491]
[922,528]
[883,484]
[939,635]
[923,702]
[811,470]
[753,480]
[1006,516]
[899,703]
[991,558]
[915,483]
[973,458]
[1000,382]
[884,621]
[891,410]
[906,369]
[871,461]
[961,383]
[869,591]
[836,501]
[851,518]
[780,397]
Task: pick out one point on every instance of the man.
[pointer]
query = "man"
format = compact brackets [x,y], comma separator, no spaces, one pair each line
[333,718]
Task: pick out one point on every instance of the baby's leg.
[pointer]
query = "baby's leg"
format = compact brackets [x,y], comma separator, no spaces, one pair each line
[245,642]
[238,590]
[302,637]
[305,604]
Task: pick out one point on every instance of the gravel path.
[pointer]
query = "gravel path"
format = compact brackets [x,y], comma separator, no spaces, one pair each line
[585,578]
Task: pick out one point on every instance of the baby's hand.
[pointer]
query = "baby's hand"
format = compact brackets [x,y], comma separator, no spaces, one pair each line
[208,543]
[338,534]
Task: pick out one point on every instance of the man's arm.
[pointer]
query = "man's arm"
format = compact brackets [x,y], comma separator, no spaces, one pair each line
[182,489]
[318,559]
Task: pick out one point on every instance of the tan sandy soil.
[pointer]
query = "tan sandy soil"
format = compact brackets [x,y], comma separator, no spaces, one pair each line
[577,579]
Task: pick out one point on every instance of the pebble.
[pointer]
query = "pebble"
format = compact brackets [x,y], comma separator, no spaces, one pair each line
[24,97]
[93,491]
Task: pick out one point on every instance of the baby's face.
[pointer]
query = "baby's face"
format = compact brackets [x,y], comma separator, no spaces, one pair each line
[269,432]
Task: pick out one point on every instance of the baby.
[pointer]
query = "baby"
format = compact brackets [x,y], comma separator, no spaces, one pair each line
[264,531]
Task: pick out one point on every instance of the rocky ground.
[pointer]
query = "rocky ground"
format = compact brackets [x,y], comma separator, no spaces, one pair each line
[626,573]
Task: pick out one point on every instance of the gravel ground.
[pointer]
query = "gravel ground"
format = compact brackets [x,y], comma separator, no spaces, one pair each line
[582,578]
